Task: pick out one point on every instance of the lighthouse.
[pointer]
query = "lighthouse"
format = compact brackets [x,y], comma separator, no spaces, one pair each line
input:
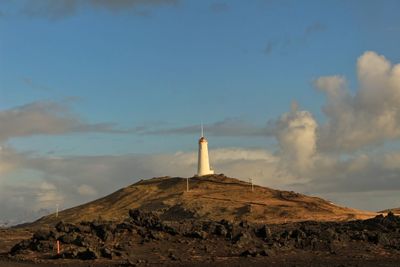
[203,167]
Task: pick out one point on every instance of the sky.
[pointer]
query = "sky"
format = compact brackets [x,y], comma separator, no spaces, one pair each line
[98,94]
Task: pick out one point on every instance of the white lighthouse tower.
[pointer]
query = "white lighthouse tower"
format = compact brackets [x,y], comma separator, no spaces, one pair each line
[203,167]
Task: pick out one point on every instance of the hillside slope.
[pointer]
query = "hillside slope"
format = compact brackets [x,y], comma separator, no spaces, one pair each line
[395,211]
[213,197]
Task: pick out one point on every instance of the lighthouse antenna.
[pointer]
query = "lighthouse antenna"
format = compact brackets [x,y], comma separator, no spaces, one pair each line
[202,130]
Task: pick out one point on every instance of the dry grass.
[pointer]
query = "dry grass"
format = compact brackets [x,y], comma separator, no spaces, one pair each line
[211,197]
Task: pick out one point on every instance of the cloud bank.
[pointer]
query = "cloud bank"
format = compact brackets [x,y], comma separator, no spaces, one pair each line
[233,127]
[72,180]
[46,118]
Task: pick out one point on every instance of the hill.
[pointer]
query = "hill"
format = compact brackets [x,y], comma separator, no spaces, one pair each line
[213,197]
[395,211]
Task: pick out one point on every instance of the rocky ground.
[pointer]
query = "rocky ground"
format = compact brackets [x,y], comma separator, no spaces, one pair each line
[145,240]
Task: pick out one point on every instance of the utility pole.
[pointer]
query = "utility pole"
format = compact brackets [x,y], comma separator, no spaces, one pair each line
[187,184]
[56,210]
[251,182]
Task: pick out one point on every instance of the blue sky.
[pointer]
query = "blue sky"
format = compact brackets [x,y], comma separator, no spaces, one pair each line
[168,65]
[193,61]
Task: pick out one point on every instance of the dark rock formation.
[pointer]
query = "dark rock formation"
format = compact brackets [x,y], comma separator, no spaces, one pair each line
[110,240]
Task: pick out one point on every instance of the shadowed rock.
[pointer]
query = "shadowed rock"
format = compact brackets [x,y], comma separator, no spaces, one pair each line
[112,240]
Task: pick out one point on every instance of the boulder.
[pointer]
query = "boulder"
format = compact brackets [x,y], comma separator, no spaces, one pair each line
[44,235]
[157,235]
[328,234]
[244,224]
[251,252]
[144,218]
[242,237]
[298,234]
[104,231]
[198,234]
[84,227]
[21,246]
[80,241]
[40,246]
[220,230]
[379,238]
[107,253]
[124,226]
[67,238]
[88,254]
[173,257]
[264,232]
[66,227]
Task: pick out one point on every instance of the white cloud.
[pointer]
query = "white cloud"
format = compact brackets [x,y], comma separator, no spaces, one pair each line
[296,134]
[47,195]
[392,161]
[24,199]
[334,86]
[371,116]
[9,160]
[87,190]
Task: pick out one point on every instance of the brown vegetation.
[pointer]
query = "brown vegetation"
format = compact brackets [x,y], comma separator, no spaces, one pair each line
[213,197]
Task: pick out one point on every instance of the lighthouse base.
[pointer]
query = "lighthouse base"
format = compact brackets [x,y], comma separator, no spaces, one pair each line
[210,172]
